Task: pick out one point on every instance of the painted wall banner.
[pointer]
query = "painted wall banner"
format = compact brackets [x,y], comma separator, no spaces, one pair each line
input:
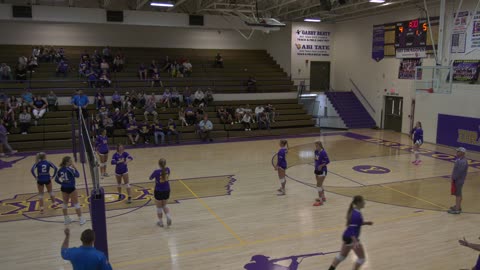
[312,42]
[459,131]
[466,70]
[378,43]
[420,52]
[407,69]
[459,33]
[473,33]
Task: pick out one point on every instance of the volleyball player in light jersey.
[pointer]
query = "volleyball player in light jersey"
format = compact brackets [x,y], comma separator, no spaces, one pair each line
[66,178]
[162,191]
[417,137]
[101,146]
[281,166]
[120,160]
[352,233]
[41,172]
[321,162]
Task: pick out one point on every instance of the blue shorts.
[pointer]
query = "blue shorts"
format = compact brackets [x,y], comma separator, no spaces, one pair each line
[120,173]
[103,152]
[44,183]
[320,173]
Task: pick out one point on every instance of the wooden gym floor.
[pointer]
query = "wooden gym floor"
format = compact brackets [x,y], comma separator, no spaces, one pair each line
[225,208]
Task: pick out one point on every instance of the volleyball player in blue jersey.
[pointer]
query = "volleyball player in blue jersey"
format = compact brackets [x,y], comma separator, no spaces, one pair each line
[120,160]
[321,162]
[41,172]
[417,137]
[66,178]
[281,165]
[352,233]
[101,146]
[162,191]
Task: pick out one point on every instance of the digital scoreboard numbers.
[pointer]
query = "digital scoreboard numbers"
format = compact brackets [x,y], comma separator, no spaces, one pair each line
[411,34]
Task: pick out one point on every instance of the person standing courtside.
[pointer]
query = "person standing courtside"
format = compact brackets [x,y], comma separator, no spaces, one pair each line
[85,257]
[459,174]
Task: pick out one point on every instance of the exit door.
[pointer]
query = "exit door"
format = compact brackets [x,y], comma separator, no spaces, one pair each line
[393,113]
[319,76]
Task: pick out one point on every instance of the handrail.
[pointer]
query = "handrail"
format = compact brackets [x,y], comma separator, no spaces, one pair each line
[361,94]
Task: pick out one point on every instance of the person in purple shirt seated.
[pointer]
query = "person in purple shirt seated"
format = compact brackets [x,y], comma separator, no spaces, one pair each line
[172,130]
[144,129]
[162,191]
[62,68]
[157,130]
[116,100]
[117,118]
[132,131]
[142,72]
[85,257]
[351,235]
[321,162]
[5,148]
[476,247]
[101,146]
[281,166]
[417,137]
[120,159]
[100,99]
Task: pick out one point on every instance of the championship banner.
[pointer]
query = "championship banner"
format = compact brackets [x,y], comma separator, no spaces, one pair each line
[459,34]
[459,131]
[420,52]
[473,33]
[408,67]
[378,42]
[465,70]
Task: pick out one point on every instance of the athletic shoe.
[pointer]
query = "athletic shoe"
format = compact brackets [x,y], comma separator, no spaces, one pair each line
[454,211]
[418,162]
[454,207]
[413,162]
[169,221]
[82,220]
[317,203]
[68,220]
[160,224]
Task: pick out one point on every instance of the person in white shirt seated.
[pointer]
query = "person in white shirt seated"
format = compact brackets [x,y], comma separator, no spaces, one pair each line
[199,97]
[204,129]
[239,112]
[258,110]
[246,121]
[187,68]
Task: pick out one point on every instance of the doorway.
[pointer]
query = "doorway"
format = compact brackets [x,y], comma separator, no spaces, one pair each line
[319,76]
[393,113]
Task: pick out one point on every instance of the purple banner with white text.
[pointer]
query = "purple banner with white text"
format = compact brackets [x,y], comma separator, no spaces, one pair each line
[378,42]
[459,131]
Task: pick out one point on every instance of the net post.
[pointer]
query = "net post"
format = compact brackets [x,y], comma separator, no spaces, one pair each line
[99,219]
[74,138]
[82,143]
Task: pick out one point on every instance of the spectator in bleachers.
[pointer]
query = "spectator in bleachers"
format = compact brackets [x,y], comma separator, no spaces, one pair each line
[247,109]
[208,96]
[156,82]
[25,119]
[187,96]
[200,111]
[104,66]
[142,72]
[11,107]
[239,112]
[129,113]
[246,121]
[175,98]
[5,148]
[181,117]
[199,97]
[39,108]
[151,107]
[157,130]
[100,99]
[132,131]
[187,68]
[166,98]
[91,78]
[22,61]
[251,84]
[172,130]
[118,64]
[84,56]
[174,70]
[167,65]
[83,68]
[153,67]
[20,73]
[141,99]
[27,99]
[103,112]
[5,72]
[52,102]
[144,130]
[117,118]
[218,61]
[107,54]
[116,100]
[104,80]
[36,51]
[190,115]
[270,111]
[258,110]
[225,117]
[62,68]
[32,64]
[80,100]
[60,55]
[205,127]
[263,121]
[109,126]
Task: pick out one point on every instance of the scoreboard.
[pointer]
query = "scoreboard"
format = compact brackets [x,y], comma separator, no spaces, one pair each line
[410,34]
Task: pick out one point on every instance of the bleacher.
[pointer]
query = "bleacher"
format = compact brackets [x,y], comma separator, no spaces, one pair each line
[54,130]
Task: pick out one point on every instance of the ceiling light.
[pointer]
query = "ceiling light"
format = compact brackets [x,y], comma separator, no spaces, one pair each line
[377,1]
[162,4]
[312,20]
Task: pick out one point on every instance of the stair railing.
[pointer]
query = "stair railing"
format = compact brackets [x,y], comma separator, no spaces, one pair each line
[359,93]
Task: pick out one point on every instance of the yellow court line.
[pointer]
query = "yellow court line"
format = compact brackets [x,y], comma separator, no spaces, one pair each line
[414,197]
[232,232]
[263,241]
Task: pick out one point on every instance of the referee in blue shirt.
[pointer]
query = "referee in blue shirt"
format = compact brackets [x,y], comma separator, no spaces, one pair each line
[85,257]
[80,100]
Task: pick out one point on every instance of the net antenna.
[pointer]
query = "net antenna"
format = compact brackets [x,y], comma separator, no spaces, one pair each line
[88,151]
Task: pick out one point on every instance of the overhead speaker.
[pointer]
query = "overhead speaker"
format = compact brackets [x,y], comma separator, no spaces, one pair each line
[195,20]
[22,11]
[114,16]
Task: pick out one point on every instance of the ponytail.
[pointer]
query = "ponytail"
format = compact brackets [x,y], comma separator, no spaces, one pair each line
[65,160]
[162,163]
[356,200]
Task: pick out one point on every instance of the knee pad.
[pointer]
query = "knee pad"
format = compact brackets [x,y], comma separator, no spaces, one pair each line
[159,210]
[127,186]
[283,180]
[65,206]
[360,261]
[40,195]
[77,206]
[319,189]
[339,257]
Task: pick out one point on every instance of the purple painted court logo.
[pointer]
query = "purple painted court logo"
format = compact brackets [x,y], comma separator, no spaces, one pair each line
[371,169]
[262,262]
